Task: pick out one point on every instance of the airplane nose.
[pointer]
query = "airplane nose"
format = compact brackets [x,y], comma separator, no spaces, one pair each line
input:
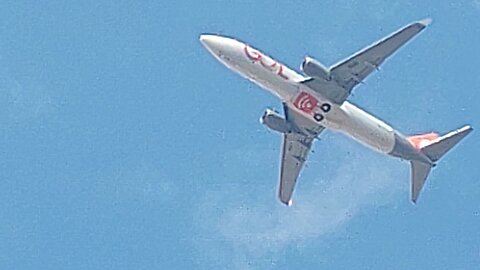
[211,42]
[224,48]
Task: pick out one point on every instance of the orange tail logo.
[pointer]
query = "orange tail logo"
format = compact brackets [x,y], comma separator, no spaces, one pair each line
[422,140]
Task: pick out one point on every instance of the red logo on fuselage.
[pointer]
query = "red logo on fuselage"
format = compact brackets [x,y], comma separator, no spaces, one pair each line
[305,102]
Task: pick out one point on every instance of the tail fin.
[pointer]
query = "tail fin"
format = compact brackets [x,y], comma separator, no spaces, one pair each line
[434,147]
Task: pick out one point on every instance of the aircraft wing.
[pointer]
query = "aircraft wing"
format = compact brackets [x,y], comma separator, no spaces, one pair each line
[296,146]
[353,70]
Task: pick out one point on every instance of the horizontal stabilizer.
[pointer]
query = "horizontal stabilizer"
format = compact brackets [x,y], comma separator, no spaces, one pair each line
[439,147]
[420,173]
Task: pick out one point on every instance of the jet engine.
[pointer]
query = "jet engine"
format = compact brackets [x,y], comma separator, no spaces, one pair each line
[274,121]
[313,68]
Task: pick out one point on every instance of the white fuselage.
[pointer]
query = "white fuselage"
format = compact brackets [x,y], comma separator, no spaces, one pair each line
[285,84]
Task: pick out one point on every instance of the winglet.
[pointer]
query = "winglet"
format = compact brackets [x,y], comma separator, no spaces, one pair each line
[426,22]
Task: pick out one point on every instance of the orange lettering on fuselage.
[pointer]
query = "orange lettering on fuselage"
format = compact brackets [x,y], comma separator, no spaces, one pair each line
[267,62]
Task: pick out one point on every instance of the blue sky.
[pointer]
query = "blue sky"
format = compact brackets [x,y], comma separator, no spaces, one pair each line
[125,145]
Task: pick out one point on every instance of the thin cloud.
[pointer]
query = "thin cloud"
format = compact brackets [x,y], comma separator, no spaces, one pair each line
[253,231]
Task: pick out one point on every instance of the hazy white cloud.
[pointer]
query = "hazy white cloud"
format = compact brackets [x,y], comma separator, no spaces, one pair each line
[257,230]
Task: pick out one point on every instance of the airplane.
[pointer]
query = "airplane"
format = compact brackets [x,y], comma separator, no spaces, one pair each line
[317,101]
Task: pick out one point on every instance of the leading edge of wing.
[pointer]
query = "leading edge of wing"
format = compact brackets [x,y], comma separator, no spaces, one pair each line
[421,23]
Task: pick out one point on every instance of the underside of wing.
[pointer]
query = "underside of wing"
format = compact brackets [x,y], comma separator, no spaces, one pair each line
[296,146]
[356,68]
[295,152]
[336,83]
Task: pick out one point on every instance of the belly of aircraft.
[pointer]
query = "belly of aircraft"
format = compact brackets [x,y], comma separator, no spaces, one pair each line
[362,127]
[350,120]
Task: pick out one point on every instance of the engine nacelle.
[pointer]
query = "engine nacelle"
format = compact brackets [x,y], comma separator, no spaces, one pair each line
[274,121]
[313,68]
